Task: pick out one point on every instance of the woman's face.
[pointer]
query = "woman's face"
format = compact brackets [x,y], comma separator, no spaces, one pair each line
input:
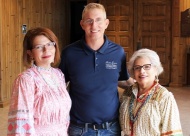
[43,51]
[144,72]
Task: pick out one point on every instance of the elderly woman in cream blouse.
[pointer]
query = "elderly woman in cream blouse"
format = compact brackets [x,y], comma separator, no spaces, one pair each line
[148,108]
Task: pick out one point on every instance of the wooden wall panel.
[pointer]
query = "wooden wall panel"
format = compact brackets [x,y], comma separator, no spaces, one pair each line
[179,45]
[14,13]
[185,43]
[185,4]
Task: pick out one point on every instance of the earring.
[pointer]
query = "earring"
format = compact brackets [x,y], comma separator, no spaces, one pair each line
[32,61]
[156,79]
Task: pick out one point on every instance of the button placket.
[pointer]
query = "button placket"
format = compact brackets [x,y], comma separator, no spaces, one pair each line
[96,61]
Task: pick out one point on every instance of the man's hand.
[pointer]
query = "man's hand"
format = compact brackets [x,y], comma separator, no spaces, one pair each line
[126,83]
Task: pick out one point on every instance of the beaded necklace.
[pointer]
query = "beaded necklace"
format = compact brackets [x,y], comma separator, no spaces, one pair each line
[133,118]
[49,81]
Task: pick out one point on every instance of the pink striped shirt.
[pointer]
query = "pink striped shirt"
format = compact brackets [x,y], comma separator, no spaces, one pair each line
[40,104]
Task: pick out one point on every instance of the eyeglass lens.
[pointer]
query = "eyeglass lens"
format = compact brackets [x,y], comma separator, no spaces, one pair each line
[145,67]
[90,21]
[49,45]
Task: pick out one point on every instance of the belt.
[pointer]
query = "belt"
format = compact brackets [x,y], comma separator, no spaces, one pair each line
[104,125]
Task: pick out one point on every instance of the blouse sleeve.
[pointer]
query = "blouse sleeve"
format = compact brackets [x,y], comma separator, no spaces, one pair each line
[127,93]
[170,116]
[20,115]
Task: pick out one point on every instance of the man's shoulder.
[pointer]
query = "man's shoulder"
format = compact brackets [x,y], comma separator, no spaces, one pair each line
[73,46]
[113,44]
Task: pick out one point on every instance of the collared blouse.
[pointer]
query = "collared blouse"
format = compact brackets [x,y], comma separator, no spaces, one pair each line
[159,116]
[40,104]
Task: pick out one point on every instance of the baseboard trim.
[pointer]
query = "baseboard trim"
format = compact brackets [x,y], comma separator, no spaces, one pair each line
[175,85]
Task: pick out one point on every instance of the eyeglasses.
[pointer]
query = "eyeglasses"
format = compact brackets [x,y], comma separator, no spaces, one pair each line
[90,21]
[145,67]
[49,45]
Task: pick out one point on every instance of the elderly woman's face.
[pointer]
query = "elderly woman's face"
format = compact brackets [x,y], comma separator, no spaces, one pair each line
[144,72]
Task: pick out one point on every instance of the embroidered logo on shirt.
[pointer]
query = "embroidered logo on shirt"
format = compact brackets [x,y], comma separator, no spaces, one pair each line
[111,65]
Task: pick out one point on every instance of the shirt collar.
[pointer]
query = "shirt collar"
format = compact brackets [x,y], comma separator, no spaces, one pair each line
[89,50]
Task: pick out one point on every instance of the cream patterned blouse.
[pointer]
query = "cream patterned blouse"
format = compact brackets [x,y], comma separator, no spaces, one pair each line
[159,116]
[40,104]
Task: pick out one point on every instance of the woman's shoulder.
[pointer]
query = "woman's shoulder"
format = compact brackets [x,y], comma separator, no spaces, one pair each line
[29,74]
[25,77]
[58,71]
[162,93]
[128,91]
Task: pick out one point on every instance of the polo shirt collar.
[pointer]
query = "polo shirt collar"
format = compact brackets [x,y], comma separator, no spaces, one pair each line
[88,50]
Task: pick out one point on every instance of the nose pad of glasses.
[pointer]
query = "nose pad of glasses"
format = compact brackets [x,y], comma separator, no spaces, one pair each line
[45,48]
[142,69]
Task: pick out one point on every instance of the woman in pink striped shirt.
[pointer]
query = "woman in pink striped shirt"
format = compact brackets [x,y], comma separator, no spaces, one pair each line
[40,103]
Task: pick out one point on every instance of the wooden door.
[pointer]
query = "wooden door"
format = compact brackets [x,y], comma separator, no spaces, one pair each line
[153,19]
[120,29]
[141,24]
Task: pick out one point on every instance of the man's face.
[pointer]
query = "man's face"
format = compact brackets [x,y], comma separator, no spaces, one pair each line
[94,24]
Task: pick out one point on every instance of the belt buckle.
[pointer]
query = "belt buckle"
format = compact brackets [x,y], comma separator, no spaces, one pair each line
[94,127]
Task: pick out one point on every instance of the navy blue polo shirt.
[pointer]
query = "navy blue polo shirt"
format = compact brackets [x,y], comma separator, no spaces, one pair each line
[93,77]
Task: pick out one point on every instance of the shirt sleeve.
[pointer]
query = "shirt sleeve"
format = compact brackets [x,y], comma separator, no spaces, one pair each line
[63,66]
[170,116]
[124,75]
[20,115]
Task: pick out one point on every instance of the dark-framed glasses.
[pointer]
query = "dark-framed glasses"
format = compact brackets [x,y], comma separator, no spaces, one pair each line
[91,21]
[49,45]
[145,67]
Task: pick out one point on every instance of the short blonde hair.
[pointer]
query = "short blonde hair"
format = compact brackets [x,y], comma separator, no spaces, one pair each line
[145,53]
[93,6]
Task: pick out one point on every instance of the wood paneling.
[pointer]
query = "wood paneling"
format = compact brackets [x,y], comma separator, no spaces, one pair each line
[142,22]
[180,46]
[120,29]
[14,13]
[185,4]
[171,47]
[154,31]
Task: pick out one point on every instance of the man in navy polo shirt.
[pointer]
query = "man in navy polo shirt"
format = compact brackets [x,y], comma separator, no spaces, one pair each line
[93,66]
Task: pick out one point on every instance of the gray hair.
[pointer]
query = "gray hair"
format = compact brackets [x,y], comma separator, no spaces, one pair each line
[145,53]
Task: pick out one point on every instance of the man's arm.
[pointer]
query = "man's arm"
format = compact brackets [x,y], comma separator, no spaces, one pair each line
[126,83]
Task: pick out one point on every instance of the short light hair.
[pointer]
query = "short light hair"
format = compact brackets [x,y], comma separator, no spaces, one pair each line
[93,6]
[145,53]
[28,44]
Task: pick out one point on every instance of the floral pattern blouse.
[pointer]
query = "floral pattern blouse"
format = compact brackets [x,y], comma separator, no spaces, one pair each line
[40,104]
[159,116]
